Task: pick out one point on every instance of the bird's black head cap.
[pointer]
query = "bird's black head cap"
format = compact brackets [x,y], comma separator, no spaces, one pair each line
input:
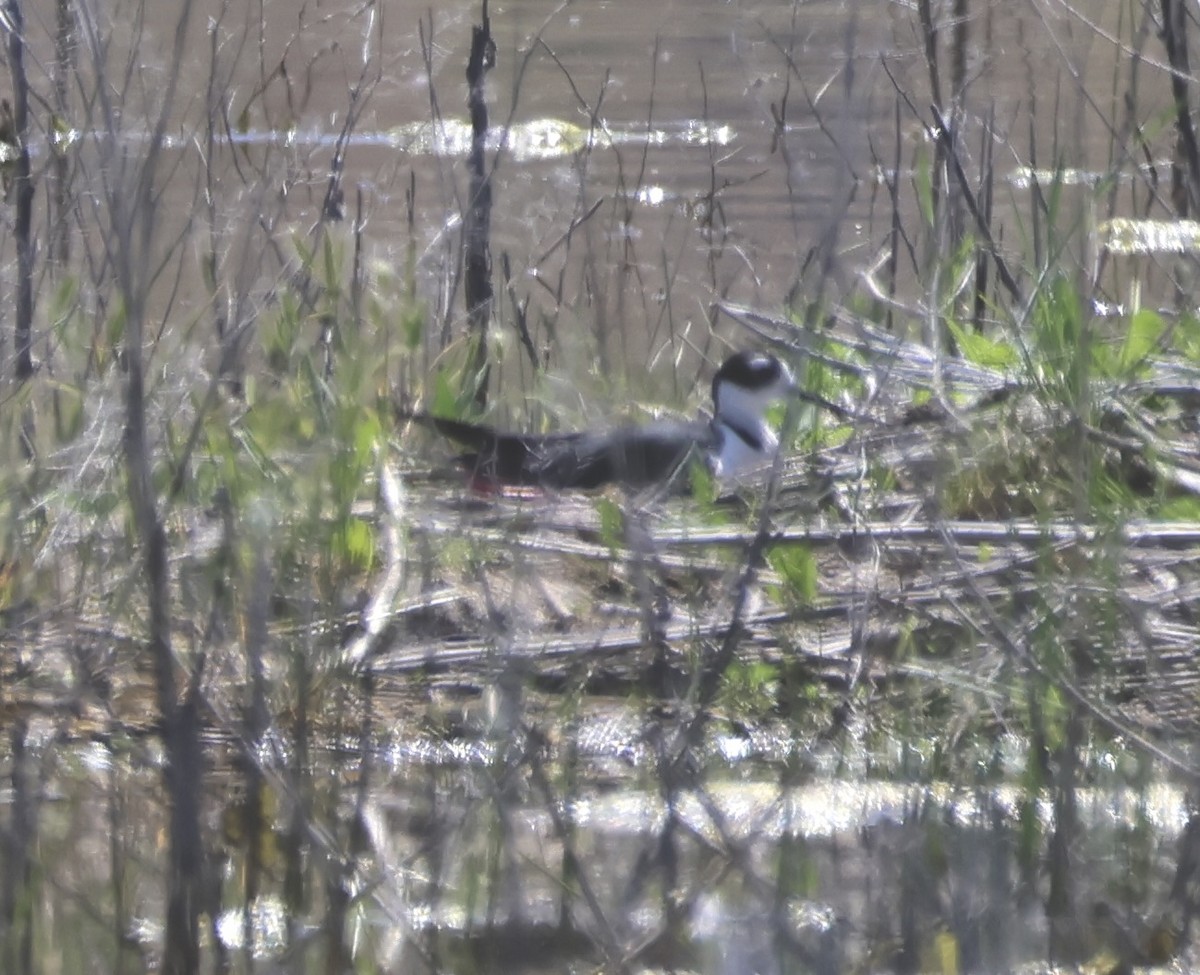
[750,370]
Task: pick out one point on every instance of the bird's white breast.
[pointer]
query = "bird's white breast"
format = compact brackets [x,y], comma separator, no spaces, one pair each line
[735,458]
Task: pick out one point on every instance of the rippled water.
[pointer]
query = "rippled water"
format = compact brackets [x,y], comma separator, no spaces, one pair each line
[656,156]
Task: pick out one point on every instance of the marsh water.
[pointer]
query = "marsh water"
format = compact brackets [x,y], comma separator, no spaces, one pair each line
[521,783]
[647,159]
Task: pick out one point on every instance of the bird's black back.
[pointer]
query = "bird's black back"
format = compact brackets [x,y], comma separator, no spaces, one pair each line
[633,456]
[636,457]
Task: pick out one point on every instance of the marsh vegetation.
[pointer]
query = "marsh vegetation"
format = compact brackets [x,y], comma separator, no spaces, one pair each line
[279,693]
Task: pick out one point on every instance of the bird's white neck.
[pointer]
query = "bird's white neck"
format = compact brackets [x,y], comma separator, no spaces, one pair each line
[744,439]
[743,445]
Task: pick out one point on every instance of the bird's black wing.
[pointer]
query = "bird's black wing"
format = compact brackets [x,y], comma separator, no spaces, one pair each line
[494,455]
[634,456]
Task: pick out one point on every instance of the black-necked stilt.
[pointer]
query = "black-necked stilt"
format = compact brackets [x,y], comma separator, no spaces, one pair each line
[734,442]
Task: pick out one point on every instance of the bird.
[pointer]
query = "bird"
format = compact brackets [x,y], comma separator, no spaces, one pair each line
[735,441]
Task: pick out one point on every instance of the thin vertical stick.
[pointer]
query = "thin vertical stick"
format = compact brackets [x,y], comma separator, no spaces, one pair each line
[22,195]
[477,283]
[1185,190]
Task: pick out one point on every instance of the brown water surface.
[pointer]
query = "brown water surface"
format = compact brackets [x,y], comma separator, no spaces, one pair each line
[661,155]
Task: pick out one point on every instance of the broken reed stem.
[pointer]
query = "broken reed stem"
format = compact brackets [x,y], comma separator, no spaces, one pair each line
[133,211]
[477,259]
[64,66]
[22,190]
[1185,173]
[18,185]
[18,895]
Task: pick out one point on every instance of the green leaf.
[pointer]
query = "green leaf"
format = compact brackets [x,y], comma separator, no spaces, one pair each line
[983,351]
[63,304]
[101,504]
[330,261]
[1145,329]
[1106,361]
[1180,509]
[345,479]
[1059,333]
[114,330]
[314,386]
[750,689]
[68,412]
[355,542]
[1187,337]
[795,563]
[612,523]
[703,485]
[445,397]
[366,434]
[412,326]
[923,183]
